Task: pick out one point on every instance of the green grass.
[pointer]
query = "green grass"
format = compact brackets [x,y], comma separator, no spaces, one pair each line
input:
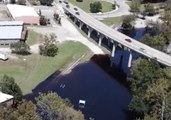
[35,69]
[85,5]
[112,21]
[32,38]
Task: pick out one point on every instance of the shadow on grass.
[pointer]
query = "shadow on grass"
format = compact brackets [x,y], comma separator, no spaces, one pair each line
[103,61]
[43,87]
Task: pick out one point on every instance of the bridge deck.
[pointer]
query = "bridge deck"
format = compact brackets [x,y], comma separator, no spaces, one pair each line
[119,37]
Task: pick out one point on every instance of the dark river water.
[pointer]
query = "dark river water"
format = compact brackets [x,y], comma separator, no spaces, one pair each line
[105,97]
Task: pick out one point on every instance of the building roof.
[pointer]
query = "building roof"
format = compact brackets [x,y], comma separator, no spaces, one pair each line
[11,23]
[8,30]
[21,10]
[5,97]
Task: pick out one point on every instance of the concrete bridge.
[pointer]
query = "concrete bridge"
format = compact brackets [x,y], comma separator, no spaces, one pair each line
[112,38]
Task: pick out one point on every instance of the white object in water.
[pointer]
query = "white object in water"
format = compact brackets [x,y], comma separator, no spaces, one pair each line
[82,103]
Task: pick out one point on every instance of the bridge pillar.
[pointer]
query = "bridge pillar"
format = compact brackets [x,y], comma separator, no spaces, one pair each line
[89,31]
[113,49]
[130,58]
[75,19]
[81,25]
[108,42]
[100,39]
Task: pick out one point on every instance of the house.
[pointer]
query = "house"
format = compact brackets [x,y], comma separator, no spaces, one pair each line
[6,99]
[23,13]
[11,32]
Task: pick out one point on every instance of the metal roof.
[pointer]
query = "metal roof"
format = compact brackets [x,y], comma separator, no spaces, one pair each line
[10,32]
[11,23]
[21,10]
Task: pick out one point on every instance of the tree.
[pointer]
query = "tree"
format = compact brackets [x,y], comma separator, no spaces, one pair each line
[135,6]
[157,42]
[95,7]
[21,2]
[46,2]
[149,9]
[157,94]
[49,47]
[57,18]
[127,25]
[143,74]
[20,48]
[150,85]
[25,111]
[8,86]
[43,20]
[53,107]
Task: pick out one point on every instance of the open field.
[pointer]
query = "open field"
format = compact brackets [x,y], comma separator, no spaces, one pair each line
[112,21]
[85,5]
[32,37]
[30,70]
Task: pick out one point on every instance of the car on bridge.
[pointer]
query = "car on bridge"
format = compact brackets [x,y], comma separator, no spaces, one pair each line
[67,6]
[128,40]
[77,13]
[75,9]
[143,50]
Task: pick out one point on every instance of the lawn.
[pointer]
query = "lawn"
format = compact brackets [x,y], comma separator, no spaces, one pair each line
[30,70]
[85,5]
[32,37]
[112,21]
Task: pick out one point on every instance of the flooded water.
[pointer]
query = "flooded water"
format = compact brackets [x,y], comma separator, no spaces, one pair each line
[105,98]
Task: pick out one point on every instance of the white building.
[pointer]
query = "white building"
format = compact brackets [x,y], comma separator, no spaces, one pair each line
[23,13]
[11,32]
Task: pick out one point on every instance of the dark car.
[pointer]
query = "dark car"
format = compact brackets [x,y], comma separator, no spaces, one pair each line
[65,2]
[60,1]
[67,6]
[75,9]
[77,13]
[128,40]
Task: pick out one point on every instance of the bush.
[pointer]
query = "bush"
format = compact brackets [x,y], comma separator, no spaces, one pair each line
[113,6]
[43,20]
[21,2]
[95,7]
[20,48]
[46,2]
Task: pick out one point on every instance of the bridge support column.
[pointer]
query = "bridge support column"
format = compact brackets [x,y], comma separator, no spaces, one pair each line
[89,31]
[113,54]
[81,25]
[75,20]
[100,39]
[108,42]
[130,58]
[113,50]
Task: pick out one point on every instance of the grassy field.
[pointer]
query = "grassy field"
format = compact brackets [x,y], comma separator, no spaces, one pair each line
[112,21]
[30,70]
[85,5]
[32,37]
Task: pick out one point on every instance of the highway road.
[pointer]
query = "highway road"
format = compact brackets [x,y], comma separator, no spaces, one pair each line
[119,37]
